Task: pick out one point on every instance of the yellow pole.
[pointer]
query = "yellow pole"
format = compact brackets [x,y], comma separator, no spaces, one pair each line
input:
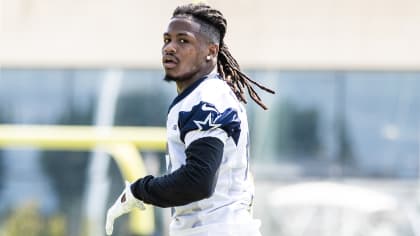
[131,164]
[121,142]
[81,137]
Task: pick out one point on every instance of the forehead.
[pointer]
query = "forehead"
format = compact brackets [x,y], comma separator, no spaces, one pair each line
[183,24]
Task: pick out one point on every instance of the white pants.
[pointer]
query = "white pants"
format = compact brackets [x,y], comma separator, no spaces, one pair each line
[250,228]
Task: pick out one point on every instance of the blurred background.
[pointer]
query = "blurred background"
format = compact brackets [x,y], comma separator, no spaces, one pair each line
[337,153]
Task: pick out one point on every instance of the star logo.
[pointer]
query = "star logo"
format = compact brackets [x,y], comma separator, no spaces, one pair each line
[207,124]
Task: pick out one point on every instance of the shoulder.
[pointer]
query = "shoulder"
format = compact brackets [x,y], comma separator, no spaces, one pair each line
[213,85]
[217,92]
[211,108]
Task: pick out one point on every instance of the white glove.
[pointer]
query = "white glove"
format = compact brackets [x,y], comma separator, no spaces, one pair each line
[124,204]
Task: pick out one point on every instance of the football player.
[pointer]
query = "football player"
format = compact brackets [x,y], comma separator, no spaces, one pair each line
[208,184]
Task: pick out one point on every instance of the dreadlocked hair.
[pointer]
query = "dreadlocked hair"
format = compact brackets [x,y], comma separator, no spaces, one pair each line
[227,66]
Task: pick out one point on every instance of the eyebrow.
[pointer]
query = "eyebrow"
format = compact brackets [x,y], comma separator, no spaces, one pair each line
[178,34]
[182,34]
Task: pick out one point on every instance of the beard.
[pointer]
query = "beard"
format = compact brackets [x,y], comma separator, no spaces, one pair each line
[187,76]
[169,78]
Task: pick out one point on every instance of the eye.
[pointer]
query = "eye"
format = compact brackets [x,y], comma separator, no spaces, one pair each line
[166,40]
[183,41]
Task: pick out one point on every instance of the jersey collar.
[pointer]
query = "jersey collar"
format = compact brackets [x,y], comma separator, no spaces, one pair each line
[191,88]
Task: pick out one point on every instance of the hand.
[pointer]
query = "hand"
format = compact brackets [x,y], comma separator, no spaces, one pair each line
[124,204]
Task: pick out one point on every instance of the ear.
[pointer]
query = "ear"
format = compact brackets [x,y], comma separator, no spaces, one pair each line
[213,50]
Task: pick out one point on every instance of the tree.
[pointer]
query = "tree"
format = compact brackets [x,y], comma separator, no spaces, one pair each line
[298,131]
[145,109]
[2,165]
[1,170]
[67,170]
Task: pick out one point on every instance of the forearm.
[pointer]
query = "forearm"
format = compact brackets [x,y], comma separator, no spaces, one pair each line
[192,182]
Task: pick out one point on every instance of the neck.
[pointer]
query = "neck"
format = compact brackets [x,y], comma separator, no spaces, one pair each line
[184,84]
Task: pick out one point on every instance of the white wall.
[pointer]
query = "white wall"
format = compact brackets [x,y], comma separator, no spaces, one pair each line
[298,34]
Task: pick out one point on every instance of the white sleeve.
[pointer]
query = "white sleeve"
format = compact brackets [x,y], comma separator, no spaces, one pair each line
[197,134]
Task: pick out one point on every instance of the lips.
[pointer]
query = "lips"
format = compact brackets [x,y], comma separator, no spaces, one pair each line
[169,61]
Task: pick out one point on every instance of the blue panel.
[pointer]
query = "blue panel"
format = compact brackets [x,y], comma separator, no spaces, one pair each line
[204,116]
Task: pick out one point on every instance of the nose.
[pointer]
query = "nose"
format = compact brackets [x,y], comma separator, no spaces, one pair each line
[169,48]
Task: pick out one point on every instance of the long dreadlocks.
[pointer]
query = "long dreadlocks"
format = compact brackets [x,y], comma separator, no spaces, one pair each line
[227,66]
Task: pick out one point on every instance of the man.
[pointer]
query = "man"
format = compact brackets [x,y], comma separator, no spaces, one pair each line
[209,184]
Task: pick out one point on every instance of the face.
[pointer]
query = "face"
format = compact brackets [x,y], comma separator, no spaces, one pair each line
[184,50]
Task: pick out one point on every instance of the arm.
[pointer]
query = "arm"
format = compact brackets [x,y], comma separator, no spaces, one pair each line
[193,181]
